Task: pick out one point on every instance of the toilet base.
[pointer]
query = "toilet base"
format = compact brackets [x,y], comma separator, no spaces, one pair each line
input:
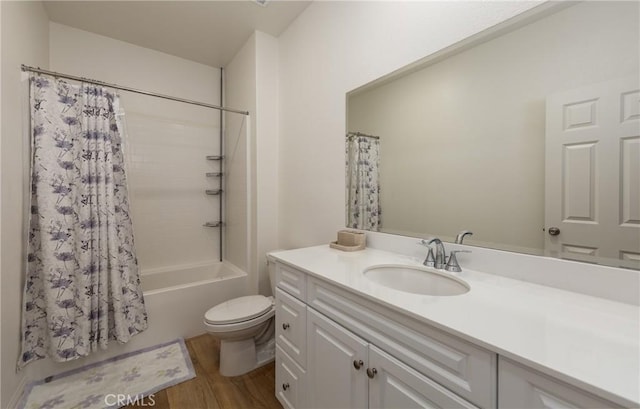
[239,357]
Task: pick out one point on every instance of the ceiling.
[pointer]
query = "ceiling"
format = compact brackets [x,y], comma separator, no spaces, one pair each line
[209,32]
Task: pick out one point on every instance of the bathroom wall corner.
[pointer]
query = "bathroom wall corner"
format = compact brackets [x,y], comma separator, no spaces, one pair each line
[267,130]
[240,92]
[251,83]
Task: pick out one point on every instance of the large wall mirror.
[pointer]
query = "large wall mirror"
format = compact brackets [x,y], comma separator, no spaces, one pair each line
[528,135]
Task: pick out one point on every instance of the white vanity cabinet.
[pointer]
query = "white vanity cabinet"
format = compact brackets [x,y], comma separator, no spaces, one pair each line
[338,349]
[522,387]
[379,361]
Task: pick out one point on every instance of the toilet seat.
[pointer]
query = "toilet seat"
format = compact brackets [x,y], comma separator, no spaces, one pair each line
[238,310]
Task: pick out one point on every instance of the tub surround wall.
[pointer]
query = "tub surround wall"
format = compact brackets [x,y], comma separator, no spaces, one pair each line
[330,49]
[25,40]
[166,144]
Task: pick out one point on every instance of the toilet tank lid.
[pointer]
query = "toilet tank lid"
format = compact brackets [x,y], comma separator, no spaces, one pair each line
[238,309]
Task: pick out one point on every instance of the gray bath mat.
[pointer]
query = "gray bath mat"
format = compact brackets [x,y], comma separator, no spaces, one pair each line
[130,378]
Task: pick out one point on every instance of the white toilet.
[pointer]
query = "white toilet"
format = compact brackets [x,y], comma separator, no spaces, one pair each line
[245,327]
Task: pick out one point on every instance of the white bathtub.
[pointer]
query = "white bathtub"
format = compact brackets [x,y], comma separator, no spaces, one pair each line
[176,277]
[177,297]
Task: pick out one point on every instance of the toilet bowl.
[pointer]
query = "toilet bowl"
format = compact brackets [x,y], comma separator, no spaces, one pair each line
[245,327]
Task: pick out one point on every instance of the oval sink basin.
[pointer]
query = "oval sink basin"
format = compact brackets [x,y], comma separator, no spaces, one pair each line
[416,280]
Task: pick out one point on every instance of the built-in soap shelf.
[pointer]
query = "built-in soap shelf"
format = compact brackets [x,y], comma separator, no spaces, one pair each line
[213,224]
[215,192]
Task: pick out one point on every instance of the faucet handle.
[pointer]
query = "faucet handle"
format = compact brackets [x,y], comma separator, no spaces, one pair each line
[430,260]
[452,264]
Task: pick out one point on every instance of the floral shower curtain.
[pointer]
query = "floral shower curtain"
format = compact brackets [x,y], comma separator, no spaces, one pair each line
[363,187]
[82,285]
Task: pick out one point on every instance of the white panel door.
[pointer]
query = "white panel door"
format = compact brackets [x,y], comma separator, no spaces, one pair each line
[395,385]
[592,181]
[337,358]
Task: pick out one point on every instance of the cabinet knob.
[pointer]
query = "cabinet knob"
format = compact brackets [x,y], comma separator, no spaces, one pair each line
[358,364]
[285,386]
[285,326]
[554,231]
[371,372]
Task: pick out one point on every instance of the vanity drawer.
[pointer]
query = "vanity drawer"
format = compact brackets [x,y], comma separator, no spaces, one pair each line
[521,387]
[289,381]
[291,326]
[292,281]
[463,368]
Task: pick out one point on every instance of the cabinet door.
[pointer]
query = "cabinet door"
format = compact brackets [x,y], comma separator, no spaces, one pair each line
[334,380]
[520,387]
[291,327]
[396,385]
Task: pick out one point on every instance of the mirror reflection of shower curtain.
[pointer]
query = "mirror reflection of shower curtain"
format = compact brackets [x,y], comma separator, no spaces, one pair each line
[362,184]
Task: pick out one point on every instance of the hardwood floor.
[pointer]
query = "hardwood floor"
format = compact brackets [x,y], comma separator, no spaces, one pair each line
[209,389]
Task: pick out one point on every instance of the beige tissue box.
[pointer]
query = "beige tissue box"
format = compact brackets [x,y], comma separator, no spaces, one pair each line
[349,241]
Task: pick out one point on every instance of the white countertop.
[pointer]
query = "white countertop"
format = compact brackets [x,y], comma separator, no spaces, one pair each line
[590,342]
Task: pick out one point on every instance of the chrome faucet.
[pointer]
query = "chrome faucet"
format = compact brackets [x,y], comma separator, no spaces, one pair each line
[440,257]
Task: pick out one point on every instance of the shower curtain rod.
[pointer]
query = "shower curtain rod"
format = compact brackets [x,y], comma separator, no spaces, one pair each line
[137,91]
[350,134]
